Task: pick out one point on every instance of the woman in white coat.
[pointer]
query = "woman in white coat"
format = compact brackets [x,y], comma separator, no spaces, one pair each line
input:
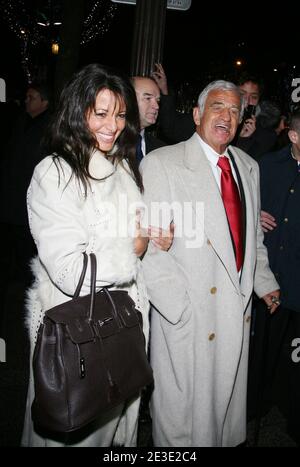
[85,197]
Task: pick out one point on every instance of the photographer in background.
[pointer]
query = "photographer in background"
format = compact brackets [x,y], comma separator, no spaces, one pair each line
[254,137]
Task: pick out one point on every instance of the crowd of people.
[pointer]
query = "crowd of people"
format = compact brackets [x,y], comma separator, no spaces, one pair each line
[209,240]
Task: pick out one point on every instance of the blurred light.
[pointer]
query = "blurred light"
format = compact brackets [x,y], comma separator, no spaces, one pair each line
[55,48]
[239,63]
[58,23]
[275,69]
[42,24]
[22,31]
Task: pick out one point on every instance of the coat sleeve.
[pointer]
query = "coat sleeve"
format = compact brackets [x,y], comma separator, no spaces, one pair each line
[59,226]
[164,279]
[264,279]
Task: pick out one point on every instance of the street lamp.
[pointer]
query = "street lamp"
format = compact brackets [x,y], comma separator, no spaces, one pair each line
[55,48]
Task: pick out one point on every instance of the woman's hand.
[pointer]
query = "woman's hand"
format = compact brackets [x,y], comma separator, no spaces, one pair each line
[140,245]
[141,237]
[161,238]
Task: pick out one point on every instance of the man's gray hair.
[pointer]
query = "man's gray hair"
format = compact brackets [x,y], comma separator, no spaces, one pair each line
[294,121]
[222,86]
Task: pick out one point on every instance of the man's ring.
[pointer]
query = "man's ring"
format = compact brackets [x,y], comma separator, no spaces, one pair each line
[275,300]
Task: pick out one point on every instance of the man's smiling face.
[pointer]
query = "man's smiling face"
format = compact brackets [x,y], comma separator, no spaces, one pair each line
[219,121]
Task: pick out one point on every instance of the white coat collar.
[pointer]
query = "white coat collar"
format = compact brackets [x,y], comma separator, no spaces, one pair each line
[99,166]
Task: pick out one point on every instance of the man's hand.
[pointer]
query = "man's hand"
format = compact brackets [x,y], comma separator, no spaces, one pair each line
[267,221]
[249,127]
[160,78]
[272,300]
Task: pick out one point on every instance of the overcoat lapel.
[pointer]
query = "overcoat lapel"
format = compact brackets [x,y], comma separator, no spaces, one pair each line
[200,184]
[250,193]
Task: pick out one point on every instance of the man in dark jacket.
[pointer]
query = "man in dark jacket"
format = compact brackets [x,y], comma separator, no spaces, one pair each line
[280,219]
[22,153]
[148,99]
[174,125]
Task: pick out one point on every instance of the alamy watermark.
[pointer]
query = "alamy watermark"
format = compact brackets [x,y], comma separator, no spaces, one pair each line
[119,220]
[2,90]
[2,351]
[296,353]
[296,92]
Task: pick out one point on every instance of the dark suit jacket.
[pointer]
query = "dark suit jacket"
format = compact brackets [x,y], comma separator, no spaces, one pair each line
[174,126]
[262,141]
[280,196]
[23,152]
[152,142]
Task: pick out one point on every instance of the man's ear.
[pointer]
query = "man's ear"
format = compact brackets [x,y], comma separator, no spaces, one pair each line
[294,137]
[45,104]
[196,115]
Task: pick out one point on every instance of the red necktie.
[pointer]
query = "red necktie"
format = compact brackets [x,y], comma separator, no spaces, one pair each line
[233,208]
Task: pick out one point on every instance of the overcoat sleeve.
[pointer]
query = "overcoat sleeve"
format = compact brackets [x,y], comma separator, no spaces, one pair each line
[164,280]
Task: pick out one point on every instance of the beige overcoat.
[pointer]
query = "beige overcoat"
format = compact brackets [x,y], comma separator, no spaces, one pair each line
[200,333]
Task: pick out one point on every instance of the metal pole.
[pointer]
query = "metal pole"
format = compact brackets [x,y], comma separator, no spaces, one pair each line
[148,39]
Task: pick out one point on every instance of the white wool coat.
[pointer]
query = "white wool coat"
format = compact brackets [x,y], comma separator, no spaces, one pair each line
[64,223]
[201,320]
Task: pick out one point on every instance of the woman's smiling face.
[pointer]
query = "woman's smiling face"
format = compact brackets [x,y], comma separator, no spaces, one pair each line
[107,120]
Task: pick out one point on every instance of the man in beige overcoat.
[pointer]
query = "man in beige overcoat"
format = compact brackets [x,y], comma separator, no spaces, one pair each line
[202,287]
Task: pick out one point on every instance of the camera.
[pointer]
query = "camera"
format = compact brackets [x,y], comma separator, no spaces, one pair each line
[249,112]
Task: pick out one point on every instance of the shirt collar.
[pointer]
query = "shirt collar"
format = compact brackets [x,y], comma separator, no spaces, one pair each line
[210,153]
[298,162]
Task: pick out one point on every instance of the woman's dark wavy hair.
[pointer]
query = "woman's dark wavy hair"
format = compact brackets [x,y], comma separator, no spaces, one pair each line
[69,136]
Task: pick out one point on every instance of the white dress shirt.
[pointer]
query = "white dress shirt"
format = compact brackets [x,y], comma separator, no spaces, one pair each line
[213,157]
[143,142]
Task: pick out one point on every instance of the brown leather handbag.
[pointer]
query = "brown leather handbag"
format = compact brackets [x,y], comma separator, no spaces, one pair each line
[89,357]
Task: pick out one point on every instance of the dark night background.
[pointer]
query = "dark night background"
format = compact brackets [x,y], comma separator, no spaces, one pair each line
[201,44]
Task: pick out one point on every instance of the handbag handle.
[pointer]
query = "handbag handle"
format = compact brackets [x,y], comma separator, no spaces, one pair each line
[93,290]
[82,275]
[93,284]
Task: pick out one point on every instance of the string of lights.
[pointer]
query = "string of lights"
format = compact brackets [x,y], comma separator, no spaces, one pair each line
[19,22]
[98,21]
[90,16]
[25,59]
[32,28]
